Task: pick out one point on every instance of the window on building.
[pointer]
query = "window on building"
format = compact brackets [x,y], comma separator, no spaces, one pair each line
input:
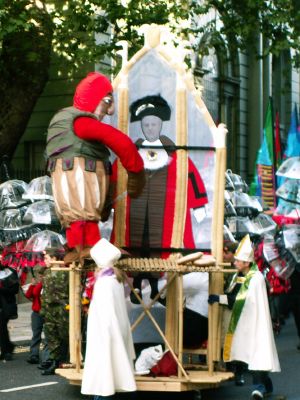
[281,91]
[208,73]
[35,164]
[214,73]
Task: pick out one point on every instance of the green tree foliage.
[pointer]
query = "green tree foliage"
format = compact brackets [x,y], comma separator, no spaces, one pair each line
[33,30]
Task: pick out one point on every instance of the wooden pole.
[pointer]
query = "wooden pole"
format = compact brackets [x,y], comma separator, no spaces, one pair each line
[120,206]
[219,278]
[216,281]
[72,314]
[182,165]
[77,321]
[180,321]
[210,333]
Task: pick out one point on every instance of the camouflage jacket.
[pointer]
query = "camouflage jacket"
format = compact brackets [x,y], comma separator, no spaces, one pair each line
[55,288]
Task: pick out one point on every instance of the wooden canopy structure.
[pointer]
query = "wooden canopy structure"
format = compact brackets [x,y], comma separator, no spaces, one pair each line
[191,115]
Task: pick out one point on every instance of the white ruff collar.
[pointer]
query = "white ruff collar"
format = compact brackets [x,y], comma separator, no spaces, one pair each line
[154,158]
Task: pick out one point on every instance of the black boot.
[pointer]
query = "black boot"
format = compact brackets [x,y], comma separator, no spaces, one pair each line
[33,359]
[45,364]
[238,374]
[51,369]
[137,284]
[154,287]
[154,291]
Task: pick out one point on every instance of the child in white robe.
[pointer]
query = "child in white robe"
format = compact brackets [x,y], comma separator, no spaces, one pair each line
[108,366]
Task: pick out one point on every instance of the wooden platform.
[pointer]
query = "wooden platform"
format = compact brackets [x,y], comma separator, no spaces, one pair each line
[198,380]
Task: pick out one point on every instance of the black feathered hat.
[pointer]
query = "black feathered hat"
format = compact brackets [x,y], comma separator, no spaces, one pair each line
[150,105]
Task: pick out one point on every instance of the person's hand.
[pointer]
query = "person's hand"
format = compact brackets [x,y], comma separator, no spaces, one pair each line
[33,281]
[213,298]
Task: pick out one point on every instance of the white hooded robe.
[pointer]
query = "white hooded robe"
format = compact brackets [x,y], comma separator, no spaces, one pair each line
[110,352]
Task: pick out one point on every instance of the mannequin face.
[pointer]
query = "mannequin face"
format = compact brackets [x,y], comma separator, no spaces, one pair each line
[151,127]
[242,266]
[105,107]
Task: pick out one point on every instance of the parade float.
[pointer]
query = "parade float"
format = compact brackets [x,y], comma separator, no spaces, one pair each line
[190,239]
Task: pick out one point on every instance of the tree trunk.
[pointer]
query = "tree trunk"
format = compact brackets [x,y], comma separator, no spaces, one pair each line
[24,64]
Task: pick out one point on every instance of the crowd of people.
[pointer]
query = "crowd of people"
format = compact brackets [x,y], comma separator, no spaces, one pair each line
[245,298]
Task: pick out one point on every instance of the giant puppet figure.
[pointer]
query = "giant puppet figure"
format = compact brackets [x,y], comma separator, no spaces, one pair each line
[150,217]
[78,146]
[152,214]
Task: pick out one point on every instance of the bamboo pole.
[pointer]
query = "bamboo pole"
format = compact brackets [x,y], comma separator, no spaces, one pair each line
[219,278]
[210,334]
[77,321]
[216,281]
[65,269]
[72,314]
[120,207]
[211,309]
[171,325]
[214,309]
[182,165]
[180,321]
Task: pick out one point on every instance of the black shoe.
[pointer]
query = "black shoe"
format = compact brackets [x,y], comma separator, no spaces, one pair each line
[162,301]
[239,380]
[51,369]
[45,364]
[33,360]
[298,347]
[269,386]
[6,357]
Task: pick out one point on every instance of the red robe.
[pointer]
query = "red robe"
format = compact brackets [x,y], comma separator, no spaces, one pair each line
[196,197]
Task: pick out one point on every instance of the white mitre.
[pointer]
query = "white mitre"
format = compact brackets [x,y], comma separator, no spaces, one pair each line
[245,250]
[105,254]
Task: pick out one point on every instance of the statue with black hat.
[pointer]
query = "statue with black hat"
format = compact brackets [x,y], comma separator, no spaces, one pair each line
[151,216]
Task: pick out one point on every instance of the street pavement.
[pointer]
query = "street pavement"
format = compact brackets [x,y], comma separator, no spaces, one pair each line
[17,375]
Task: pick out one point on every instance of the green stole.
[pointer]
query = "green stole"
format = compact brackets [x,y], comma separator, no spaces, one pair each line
[237,311]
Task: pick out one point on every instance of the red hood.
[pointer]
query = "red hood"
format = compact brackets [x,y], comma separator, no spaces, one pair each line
[90,91]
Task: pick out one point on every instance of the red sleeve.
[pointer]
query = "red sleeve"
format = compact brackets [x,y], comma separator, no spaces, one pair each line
[37,289]
[91,129]
[29,292]
[197,196]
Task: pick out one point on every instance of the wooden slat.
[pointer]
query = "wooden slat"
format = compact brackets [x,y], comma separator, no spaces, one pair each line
[72,315]
[197,380]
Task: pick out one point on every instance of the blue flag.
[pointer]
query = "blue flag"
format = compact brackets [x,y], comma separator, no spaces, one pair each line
[293,139]
[263,184]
